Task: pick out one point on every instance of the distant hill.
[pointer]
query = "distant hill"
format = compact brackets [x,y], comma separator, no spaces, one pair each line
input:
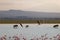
[19,14]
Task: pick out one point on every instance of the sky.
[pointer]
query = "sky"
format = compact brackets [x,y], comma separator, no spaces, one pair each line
[31,5]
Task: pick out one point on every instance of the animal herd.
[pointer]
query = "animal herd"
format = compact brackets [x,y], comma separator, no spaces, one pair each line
[38,22]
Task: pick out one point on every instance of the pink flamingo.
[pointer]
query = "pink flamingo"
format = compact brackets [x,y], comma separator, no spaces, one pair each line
[3,37]
[58,37]
[16,38]
[50,38]
[55,37]
[24,38]
[45,38]
[39,38]
[42,37]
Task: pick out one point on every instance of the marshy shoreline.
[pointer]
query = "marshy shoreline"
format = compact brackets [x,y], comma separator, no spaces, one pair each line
[29,21]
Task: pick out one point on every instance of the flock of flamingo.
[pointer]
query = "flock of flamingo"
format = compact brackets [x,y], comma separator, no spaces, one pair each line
[42,37]
[20,37]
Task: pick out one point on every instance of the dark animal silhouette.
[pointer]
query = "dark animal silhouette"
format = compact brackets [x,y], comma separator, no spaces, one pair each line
[56,26]
[15,26]
[21,24]
[38,22]
[27,26]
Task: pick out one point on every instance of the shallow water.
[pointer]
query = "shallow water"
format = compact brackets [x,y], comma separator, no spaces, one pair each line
[34,31]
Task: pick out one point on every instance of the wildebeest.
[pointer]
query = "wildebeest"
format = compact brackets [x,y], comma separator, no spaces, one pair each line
[56,26]
[38,22]
[21,24]
[15,26]
[27,26]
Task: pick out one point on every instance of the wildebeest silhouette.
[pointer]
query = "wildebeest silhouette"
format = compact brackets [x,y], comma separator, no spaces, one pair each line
[15,26]
[21,24]
[56,26]
[38,22]
[27,26]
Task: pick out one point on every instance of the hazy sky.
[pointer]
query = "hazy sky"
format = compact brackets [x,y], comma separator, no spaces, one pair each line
[31,5]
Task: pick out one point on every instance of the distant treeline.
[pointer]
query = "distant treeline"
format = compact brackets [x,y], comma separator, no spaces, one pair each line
[28,18]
